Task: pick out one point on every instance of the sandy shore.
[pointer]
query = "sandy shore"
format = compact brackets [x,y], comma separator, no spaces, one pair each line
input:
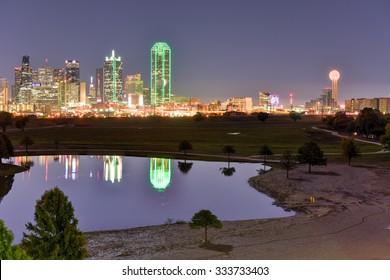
[349,219]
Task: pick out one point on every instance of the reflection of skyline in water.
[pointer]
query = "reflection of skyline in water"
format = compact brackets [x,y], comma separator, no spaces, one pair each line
[148,192]
[112,168]
[160,173]
[111,165]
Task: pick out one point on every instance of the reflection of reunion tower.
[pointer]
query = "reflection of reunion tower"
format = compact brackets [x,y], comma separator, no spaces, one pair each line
[334,75]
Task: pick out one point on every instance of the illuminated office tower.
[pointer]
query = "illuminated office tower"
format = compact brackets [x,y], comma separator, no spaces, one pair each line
[99,85]
[134,86]
[112,78]
[83,92]
[334,75]
[24,96]
[161,75]
[160,173]
[92,91]
[45,76]
[18,81]
[72,77]
[4,90]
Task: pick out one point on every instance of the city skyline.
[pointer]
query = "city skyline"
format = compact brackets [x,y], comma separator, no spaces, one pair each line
[222,49]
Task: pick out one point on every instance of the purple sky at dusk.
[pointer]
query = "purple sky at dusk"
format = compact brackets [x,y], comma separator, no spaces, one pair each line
[220,48]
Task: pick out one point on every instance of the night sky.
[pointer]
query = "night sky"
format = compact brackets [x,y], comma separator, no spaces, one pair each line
[220,48]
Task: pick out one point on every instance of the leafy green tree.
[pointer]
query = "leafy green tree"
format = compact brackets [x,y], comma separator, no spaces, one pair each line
[26,142]
[295,116]
[311,154]
[340,122]
[228,149]
[371,122]
[185,145]
[205,219]
[349,149]
[385,139]
[265,151]
[7,250]
[5,120]
[55,234]
[21,122]
[288,162]
[262,116]
[6,148]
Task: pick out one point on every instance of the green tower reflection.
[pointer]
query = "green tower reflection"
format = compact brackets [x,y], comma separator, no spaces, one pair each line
[160,173]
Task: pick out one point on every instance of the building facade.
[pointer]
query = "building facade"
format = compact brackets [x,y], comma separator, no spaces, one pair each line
[134,86]
[112,73]
[161,74]
[72,83]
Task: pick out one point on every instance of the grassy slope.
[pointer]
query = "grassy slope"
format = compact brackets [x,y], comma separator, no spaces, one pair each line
[280,133]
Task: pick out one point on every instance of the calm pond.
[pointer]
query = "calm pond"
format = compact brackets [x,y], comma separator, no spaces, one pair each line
[117,192]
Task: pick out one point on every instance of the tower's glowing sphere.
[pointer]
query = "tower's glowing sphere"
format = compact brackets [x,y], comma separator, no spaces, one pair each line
[334,75]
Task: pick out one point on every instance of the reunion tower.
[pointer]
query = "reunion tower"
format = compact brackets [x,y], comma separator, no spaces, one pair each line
[334,75]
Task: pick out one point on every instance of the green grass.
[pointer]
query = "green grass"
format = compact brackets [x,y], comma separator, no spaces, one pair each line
[280,133]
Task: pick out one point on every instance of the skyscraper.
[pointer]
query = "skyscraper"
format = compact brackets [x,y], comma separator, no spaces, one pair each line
[112,78]
[134,86]
[161,75]
[99,85]
[4,89]
[24,96]
[72,79]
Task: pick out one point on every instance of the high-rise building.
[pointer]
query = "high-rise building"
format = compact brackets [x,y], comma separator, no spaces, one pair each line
[83,92]
[45,76]
[24,96]
[72,78]
[17,83]
[161,74]
[112,78]
[134,86]
[99,85]
[4,92]
[92,90]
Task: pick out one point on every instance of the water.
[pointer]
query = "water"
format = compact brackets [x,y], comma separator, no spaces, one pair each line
[115,192]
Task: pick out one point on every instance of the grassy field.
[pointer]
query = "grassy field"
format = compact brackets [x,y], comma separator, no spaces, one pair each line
[246,134]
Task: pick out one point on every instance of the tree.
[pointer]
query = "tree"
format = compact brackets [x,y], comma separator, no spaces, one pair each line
[6,183]
[385,139]
[349,149]
[7,251]
[6,148]
[228,149]
[20,122]
[262,116]
[288,161]
[295,116]
[265,151]
[185,167]
[228,171]
[198,117]
[371,122]
[5,120]
[26,141]
[205,219]
[55,234]
[185,145]
[311,153]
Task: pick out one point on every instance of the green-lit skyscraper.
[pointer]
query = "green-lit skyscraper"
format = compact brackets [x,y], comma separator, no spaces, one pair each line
[112,78]
[161,74]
